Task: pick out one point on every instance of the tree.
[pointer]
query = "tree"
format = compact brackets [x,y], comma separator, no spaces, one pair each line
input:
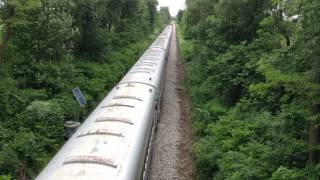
[259,62]
[89,42]
[7,12]
[180,16]
[152,8]
[164,16]
[311,39]
[50,47]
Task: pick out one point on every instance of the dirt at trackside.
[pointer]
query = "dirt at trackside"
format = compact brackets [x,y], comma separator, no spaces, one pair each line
[172,152]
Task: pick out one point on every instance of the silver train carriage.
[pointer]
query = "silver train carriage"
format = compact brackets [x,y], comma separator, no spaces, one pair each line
[114,142]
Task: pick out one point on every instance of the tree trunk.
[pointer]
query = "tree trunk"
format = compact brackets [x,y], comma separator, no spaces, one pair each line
[22,172]
[6,35]
[313,141]
[314,135]
[287,36]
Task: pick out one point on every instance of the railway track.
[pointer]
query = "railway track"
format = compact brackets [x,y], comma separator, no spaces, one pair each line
[116,141]
[172,146]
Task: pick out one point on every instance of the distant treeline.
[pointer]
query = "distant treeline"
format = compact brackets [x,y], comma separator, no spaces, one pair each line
[49,47]
[253,73]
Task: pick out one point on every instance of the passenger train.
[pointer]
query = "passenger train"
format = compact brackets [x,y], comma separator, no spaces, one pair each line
[115,141]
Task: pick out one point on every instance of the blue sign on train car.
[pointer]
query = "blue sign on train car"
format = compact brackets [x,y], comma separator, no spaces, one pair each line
[77,93]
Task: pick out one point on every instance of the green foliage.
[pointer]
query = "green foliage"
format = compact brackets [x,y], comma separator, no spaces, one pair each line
[283,173]
[25,149]
[180,16]
[45,118]
[253,76]
[3,177]
[41,31]
[152,8]
[1,31]
[8,105]
[163,16]
[52,47]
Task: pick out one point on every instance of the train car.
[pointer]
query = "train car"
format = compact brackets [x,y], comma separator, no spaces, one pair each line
[115,141]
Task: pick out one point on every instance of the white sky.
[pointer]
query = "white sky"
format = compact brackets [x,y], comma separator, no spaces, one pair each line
[174,5]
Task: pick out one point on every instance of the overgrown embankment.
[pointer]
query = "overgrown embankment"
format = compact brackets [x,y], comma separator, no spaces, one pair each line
[51,47]
[253,77]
